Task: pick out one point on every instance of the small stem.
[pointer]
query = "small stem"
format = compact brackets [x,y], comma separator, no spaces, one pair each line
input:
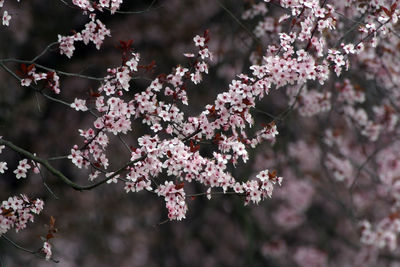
[59,174]
[43,52]
[51,69]
[36,253]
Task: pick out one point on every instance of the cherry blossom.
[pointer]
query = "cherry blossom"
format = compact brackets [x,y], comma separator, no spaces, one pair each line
[175,200]
[6,18]
[3,167]
[95,31]
[333,89]
[17,212]
[79,104]
[22,169]
[47,250]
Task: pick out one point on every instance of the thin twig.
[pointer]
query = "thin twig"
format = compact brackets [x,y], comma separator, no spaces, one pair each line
[31,86]
[59,174]
[239,22]
[43,52]
[150,7]
[36,253]
[125,144]
[15,60]
[44,182]
[57,158]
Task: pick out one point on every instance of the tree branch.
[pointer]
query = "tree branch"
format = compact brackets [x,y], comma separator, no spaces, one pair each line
[59,174]
[36,253]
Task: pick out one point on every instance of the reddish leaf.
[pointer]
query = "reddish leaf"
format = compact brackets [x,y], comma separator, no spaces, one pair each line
[217,138]
[49,236]
[212,109]
[193,148]
[246,102]
[125,45]
[30,67]
[179,186]
[393,8]
[148,67]
[24,68]
[394,215]
[7,212]
[95,94]
[272,175]
[387,11]
[52,221]
[96,164]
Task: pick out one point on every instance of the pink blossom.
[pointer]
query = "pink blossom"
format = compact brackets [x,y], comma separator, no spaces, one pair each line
[3,167]
[6,18]
[16,212]
[47,250]
[79,104]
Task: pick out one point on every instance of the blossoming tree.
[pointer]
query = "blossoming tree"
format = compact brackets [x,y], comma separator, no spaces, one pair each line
[316,101]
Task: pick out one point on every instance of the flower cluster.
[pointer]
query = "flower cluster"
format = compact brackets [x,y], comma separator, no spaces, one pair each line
[90,6]
[224,122]
[175,200]
[30,75]
[17,211]
[22,169]
[313,102]
[255,10]
[384,234]
[268,132]
[341,168]
[259,189]
[177,157]
[301,46]
[95,31]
